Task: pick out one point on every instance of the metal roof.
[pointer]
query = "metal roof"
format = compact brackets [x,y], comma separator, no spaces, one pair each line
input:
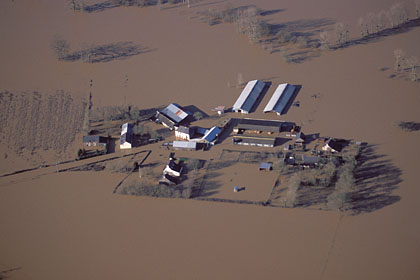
[127,128]
[249,95]
[95,138]
[183,129]
[266,165]
[174,112]
[184,144]
[211,134]
[280,98]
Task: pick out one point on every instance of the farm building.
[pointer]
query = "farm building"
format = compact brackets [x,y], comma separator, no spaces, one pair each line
[266,166]
[254,141]
[280,99]
[184,145]
[171,116]
[300,138]
[173,168]
[248,97]
[95,141]
[183,132]
[302,159]
[332,145]
[211,134]
[126,139]
[167,179]
[258,126]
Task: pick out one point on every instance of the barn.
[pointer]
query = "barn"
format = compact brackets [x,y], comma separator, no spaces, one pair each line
[248,97]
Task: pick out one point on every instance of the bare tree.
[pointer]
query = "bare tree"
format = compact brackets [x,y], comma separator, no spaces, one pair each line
[413,64]
[240,80]
[364,28]
[291,194]
[397,14]
[399,59]
[342,33]
[76,5]
[60,46]
[323,39]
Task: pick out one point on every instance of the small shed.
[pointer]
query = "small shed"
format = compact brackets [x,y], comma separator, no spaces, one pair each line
[95,141]
[266,166]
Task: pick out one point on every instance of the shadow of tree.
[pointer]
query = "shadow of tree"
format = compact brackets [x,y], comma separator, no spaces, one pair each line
[376,179]
[109,4]
[374,37]
[108,52]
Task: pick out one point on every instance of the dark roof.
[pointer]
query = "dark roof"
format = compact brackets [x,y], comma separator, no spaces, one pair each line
[305,159]
[175,166]
[168,180]
[334,144]
[261,125]
[126,137]
[95,138]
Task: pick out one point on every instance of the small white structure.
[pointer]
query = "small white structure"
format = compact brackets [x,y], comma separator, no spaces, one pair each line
[280,99]
[183,133]
[219,109]
[126,139]
[248,97]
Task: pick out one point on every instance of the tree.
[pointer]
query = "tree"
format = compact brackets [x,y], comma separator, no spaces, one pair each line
[412,63]
[291,194]
[341,33]
[60,46]
[198,115]
[76,5]
[399,59]
[323,39]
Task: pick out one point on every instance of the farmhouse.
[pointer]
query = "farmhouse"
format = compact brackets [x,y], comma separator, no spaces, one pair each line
[173,168]
[183,133]
[171,116]
[184,145]
[332,145]
[126,139]
[248,97]
[280,99]
[95,141]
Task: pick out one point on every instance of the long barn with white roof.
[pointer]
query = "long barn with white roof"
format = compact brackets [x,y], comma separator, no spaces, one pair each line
[248,97]
[280,99]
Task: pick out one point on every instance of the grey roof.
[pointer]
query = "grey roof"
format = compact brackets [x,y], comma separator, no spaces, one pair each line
[266,165]
[184,145]
[211,134]
[174,112]
[249,95]
[280,98]
[95,138]
[184,129]
[125,138]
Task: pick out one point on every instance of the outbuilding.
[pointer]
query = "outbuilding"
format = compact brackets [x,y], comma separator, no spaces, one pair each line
[280,99]
[248,97]
[126,139]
